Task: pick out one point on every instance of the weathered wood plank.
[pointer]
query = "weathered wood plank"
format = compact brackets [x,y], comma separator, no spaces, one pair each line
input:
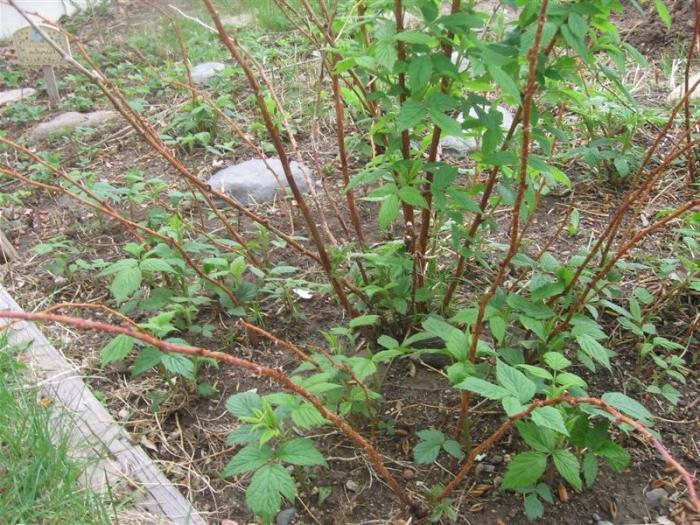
[7,251]
[123,466]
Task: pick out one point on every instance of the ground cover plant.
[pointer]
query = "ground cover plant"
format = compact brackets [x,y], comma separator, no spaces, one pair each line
[461,269]
[40,477]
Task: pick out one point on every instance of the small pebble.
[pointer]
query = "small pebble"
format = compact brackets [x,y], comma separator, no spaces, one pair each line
[229,522]
[604,522]
[123,414]
[497,459]
[352,486]
[409,473]
[656,496]
[286,516]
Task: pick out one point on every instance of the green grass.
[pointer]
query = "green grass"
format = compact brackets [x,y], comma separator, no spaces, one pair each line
[38,478]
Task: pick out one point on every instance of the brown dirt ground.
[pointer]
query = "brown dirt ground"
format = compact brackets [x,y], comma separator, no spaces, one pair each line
[186,434]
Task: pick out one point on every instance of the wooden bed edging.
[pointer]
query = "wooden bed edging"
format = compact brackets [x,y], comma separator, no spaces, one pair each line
[122,464]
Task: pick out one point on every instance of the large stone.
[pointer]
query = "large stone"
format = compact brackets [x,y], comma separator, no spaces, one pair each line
[14,95]
[65,123]
[463,146]
[201,73]
[252,182]
[675,95]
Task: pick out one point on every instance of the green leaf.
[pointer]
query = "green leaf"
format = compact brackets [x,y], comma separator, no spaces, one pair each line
[556,361]
[118,267]
[419,72]
[628,406]
[536,371]
[362,367]
[549,417]
[457,344]
[125,283]
[615,456]
[267,487]
[593,349]
[536,311]
[385,53]
[533,507]
[515,382]
[590,468]
[307,416]
[498,327]
[535,326]
[483,388]
[147,359]
[178,364]
[453,448]
[117,349]
[524,470]
[157,265]
[388,211]
[410,114]
[300,451]
[244,404]
[567,380]
[411,195]
[248,458]
[505,82]
[431,435]
[416,37]
[446,123]
[363,320]
[664,15]
[428,448]
[567,465]
[540,439]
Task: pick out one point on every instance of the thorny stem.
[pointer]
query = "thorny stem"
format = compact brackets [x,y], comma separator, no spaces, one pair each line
[259,370]
[515,237]
[619,419]
[232,46]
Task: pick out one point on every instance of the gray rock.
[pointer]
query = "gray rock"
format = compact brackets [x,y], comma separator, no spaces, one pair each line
[203,72]
[251,182]
[66,123]
[463,146]
[241,20]
[675,95]
[656,496]
[286,516]
[14,95]
[604,522]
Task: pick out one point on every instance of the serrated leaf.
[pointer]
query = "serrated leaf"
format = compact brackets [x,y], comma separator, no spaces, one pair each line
[244,404]
[590,468]
[498,327]
[362,367]
[178,364]
[419,72]
[533,507]
[411,195]
[410,114]
[483,388]
[511,406]
[530,309]
[147,359]
[125,283]
[157,265]
[549,417]
[629,406]
[431,435]
[385,53]
[536,371]
[248,458]
[426,452]
[267,487]
[540,439]
[593,349]
[447,124]
[388,211]
[416,37]
[300,451]
[118,266]
[363,320]
[457,344]
[524,470]
[453,448]
[567,464]
[615,456]
[556,361]
[307,416]
[116,350]
[515,382]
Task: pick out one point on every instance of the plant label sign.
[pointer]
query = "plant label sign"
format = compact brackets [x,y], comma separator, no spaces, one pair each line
[33,51]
